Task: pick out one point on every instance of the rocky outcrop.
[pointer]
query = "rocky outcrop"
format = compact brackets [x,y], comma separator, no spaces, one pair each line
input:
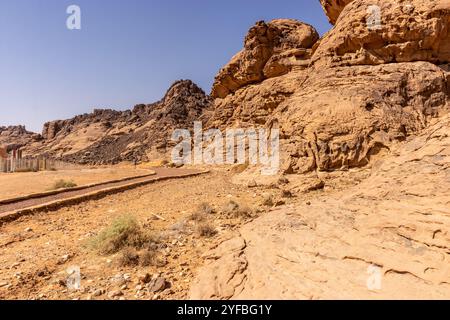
[346,117]
[270,50]
[333,8]
[17,135]
[51,129]
[363,90]
[375,96]
[252,105]
[65,127]
[108,137]
[386,238]
[406,31]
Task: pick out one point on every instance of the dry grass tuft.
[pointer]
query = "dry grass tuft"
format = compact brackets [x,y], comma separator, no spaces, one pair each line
[233,210]
[206,208]
[128,257]
[198,217]
[149,258]
[206,230]
[63,184]
[202,212]
[123,232]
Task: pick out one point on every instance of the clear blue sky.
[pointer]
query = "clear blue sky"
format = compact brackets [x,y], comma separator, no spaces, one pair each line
[127,52]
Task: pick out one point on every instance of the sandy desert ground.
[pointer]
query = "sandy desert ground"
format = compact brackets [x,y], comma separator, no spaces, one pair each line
[36,251]
[20,184]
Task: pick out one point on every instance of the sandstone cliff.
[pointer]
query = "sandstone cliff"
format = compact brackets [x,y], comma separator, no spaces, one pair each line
[375,98]
[351,96]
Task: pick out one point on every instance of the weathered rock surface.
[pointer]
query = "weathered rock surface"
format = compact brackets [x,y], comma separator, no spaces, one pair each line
[16,135]
[345,117]
[339,117]
[386,238]
[406,31]
[270,50]
[363,89]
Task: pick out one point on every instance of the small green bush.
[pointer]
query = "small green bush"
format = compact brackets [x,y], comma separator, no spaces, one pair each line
[123,232]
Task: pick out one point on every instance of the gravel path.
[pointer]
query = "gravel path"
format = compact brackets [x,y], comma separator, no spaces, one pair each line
[160,173]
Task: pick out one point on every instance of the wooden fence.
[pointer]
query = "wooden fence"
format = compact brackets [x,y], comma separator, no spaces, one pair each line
[34,165]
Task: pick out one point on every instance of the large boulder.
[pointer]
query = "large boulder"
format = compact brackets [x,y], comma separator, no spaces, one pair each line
[343,117]
[270,50]
[252,105]
[388,31]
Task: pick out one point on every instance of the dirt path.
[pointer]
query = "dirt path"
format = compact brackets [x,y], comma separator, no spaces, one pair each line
[36,250]
[160,173]
[15,185]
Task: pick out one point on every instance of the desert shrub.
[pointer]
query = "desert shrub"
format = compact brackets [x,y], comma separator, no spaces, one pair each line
[243,212]
[268,200]
[63,184]
[205,208]
[202,212]
[148,258]
[229,207]
[128,257]
[197,216]
[123,232]
[233,210]
[181,227]
[206,230]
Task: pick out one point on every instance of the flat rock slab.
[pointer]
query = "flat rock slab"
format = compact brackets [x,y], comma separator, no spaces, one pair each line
[386,238]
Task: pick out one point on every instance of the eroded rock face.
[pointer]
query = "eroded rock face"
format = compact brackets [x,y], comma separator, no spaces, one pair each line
[17,136]
[339,117]
[252,105]
[270,50]
[343,117]
[333,8]
[389,226]
[363,90]
[52,128]
[407,31]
